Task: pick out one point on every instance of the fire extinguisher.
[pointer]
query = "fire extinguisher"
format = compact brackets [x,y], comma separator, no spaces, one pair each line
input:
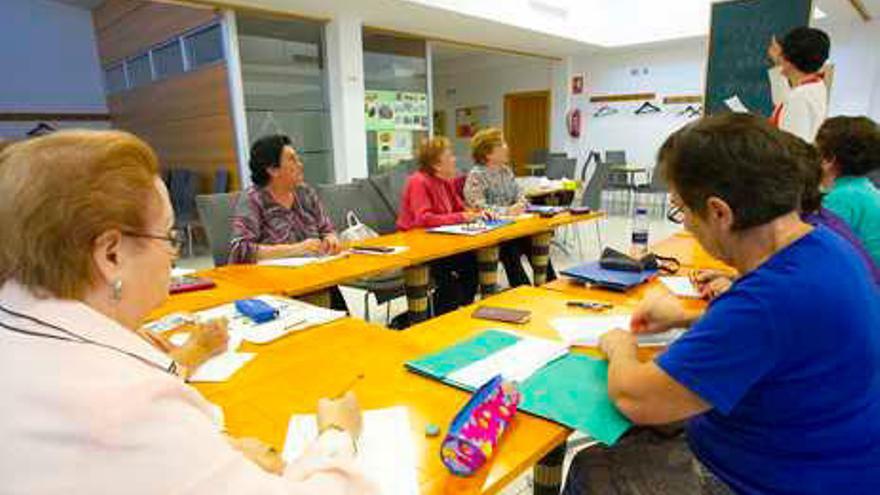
[573,122]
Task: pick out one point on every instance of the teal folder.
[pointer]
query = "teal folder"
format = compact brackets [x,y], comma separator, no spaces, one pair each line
[572,390]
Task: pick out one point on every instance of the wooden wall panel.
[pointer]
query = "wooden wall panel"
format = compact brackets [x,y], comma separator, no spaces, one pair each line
[126,27]
[185,118]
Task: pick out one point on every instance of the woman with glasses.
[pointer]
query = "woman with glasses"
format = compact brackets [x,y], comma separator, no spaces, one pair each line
[91,405]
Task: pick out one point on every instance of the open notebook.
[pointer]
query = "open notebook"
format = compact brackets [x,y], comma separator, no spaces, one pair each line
[386,451]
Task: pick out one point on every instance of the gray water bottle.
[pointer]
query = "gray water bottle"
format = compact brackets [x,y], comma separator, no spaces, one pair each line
[640,232]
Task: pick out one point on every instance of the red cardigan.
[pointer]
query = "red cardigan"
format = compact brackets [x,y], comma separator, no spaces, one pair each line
[429,201]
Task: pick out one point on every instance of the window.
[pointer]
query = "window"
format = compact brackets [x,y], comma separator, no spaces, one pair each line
[114,78]
[139,72]
[205,46]
[168,59]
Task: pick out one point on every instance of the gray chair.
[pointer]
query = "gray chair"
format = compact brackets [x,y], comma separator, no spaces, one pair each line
[362,198]
[592,195]
[390,186]
[216,211]
[559,167]
[182,190]
[656,187]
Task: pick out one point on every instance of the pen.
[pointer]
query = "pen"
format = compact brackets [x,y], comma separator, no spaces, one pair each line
[350,385]
[589,305]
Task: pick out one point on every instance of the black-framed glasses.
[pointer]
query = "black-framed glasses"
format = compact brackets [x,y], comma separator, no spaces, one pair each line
[675,214]
[175,237]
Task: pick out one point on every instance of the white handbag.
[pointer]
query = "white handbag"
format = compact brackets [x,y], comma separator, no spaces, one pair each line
[356,230]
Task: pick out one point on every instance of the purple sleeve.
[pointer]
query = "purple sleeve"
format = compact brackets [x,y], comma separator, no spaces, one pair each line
[245,229]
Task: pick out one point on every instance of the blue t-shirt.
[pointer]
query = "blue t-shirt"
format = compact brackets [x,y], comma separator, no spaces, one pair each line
[789,359]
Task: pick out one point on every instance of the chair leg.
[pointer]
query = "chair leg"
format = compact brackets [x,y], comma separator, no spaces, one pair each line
[367,306]
[388,312]
[598,237]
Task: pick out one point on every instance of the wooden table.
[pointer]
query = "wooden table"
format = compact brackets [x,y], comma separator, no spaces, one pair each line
[684,247]
[290,374]
[424,247]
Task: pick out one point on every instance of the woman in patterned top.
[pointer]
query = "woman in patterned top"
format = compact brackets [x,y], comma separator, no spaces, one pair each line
[280,215]
[491,186]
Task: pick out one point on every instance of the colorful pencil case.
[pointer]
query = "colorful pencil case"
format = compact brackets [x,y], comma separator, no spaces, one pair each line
[477,428]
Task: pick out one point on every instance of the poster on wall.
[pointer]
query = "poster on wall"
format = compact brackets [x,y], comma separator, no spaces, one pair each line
[392,147]
[469,120]
[577,84]
[395,110]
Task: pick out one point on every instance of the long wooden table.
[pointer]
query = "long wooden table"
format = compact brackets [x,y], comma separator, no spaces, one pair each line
[290,374]
[310,282]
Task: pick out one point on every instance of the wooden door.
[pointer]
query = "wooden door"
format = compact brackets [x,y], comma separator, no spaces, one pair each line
[526,126]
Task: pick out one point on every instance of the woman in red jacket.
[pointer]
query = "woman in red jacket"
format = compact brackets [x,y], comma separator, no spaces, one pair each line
[431,198]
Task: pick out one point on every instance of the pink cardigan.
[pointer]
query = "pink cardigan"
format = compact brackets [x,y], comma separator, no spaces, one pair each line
[430,201]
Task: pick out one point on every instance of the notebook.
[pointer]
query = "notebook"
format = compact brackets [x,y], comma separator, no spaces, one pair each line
[616,280]
[571,389]
[586,330]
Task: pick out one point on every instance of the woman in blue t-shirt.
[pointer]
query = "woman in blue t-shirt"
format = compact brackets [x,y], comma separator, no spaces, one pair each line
[779,379]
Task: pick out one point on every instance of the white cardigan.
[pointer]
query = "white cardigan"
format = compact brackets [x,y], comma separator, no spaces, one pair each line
[804,107]
[81,418]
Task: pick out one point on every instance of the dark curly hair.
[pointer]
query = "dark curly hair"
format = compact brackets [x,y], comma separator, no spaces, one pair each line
[266,154]
[806,48]
[853,143]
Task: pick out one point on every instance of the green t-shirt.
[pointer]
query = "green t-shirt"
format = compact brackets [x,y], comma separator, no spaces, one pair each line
[857,201]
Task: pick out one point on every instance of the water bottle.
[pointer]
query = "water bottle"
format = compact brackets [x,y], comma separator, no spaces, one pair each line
[640,232]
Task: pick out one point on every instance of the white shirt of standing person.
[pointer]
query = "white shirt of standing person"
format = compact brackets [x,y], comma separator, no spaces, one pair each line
[799,110]
[91,407]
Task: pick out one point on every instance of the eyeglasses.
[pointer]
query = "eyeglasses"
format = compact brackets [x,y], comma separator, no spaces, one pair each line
[175,238]
[675,214]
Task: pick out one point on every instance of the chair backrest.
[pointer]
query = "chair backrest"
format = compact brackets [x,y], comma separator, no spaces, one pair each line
[361,198]
[615,157]
[182,190]
[390,186]
[559,167]
[538,155]
[216,211]
[592,196]
[221,181]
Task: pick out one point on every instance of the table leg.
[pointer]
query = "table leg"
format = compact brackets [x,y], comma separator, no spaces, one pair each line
[540,256]
[417,292]
[487,263]
[548,472]
[319,298]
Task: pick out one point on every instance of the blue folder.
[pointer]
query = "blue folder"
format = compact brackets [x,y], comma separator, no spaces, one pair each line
[610,279]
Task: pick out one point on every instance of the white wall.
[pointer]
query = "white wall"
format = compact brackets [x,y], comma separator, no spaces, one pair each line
[480,80]
[676,68]
[668,69]
[50,59]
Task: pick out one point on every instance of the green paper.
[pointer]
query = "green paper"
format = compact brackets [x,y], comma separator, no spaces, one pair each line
[573,390]
[441,364]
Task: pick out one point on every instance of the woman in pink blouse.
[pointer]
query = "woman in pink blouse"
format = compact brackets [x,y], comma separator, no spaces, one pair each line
[432,198]
[91,405]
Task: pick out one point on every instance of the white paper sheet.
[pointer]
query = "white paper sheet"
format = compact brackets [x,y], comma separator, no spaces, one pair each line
[181,272]
[586,330]
[293,315]
[298,261]
[386,451]
[681,287]
[736,105]
[222,367]
[516,362]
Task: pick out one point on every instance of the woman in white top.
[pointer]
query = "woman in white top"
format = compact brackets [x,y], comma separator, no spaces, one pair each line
[800,95]
[90,405]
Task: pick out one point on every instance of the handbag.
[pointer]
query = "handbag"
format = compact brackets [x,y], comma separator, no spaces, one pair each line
[613,259]
[356,230]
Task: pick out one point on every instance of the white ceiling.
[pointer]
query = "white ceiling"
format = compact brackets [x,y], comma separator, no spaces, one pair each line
[551,28]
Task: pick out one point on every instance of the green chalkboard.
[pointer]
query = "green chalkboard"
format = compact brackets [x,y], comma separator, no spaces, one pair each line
[741,32]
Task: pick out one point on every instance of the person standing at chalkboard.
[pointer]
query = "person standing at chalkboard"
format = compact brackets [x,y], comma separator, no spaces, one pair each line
[797,83]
